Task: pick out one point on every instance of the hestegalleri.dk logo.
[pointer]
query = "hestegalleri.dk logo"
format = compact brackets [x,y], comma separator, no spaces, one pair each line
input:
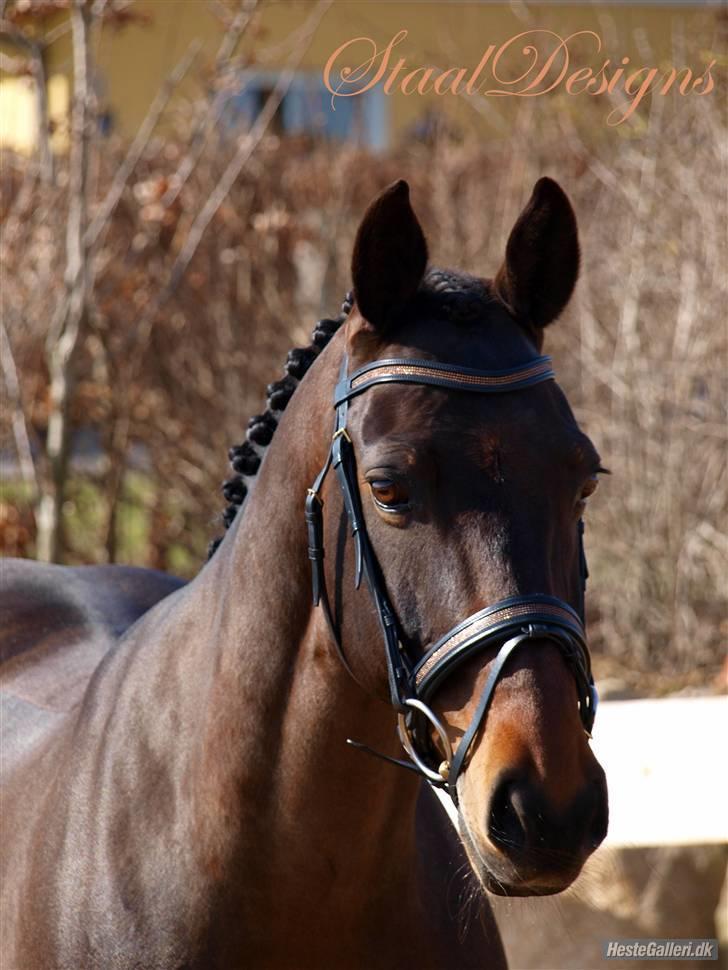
[660,950]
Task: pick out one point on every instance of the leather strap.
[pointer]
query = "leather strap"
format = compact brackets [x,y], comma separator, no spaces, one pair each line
[510,622]
[476,723]
[403,370]
[398,670]
[511,636]
[480,628]
[486,697]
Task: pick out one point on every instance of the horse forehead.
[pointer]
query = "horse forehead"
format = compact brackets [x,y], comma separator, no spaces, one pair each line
[537,421]
[489,340]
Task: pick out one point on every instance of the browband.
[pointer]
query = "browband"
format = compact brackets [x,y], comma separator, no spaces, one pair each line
[403,370]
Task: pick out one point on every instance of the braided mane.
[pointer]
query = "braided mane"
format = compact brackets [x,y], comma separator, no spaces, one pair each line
[451,295]
[245,458]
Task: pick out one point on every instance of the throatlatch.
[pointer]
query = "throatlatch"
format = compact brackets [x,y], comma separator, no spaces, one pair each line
[506,624]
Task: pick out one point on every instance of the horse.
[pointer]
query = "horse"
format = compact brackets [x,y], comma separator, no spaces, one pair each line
[177,790]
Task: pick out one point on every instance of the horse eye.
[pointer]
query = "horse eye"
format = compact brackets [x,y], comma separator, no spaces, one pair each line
[589,488]
[388,494]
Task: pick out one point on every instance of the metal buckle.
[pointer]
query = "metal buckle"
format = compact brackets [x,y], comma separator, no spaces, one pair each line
[441,775]
[342,432]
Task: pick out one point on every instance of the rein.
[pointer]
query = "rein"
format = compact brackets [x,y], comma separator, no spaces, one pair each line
[507,624]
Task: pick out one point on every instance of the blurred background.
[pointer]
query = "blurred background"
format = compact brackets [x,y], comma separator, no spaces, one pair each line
[177,207]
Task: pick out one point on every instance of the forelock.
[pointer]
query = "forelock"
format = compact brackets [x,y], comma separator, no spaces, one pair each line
[457,297]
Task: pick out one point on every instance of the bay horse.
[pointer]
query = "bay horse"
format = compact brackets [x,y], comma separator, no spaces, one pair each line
[176,787]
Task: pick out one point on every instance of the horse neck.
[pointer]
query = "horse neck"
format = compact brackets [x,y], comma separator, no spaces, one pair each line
[284,703]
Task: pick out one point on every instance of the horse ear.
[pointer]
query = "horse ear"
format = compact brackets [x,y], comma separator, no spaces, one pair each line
[542,258]
[390,257]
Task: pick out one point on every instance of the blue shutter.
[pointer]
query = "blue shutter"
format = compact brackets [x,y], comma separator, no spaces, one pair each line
[307,108]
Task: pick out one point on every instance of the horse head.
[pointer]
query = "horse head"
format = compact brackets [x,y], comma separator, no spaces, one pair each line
[466,512]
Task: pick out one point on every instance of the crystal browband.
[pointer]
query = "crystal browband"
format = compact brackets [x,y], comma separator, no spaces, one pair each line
[401,370]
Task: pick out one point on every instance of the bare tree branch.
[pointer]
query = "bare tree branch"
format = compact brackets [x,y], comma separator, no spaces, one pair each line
[60,30]
[139,144]
[209,119]
[246,147]
[73,313]
[20,428]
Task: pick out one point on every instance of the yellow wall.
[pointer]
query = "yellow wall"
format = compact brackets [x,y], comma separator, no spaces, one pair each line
[18,114]
[134,61]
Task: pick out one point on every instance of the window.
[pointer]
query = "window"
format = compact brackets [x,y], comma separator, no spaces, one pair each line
[307,107]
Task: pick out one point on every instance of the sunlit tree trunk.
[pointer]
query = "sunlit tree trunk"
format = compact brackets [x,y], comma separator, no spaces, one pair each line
[72,314]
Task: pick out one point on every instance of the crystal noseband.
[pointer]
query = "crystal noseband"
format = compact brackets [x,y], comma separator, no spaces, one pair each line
[505,625]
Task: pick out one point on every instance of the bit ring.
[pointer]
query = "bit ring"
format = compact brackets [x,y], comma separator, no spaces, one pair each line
[437,777]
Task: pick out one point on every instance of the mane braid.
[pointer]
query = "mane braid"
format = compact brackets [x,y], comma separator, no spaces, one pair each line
[246,457]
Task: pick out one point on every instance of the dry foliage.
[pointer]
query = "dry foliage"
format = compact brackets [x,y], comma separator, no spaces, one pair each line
[641,353]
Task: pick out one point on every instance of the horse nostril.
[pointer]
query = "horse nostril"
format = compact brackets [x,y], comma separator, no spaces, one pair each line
[522,823]
[508,818]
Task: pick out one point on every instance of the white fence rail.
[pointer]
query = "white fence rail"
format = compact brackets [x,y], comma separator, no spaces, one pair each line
[667,770]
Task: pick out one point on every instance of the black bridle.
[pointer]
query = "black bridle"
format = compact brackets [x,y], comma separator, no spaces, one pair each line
[506,624]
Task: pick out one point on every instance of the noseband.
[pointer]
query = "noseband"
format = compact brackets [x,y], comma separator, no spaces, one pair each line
[505,625]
